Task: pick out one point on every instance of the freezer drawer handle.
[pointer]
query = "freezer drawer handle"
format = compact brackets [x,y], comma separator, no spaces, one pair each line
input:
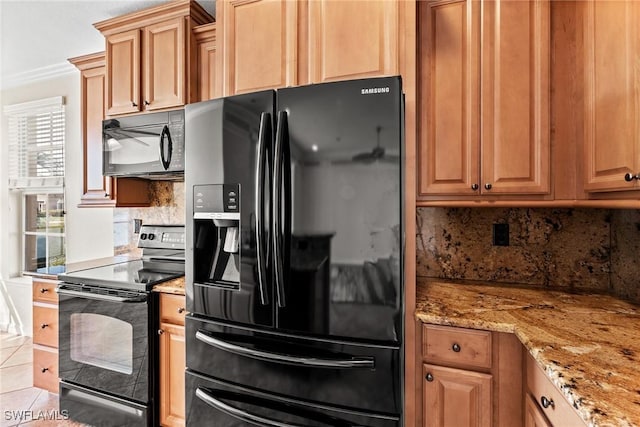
[354,362]
[61,290]
[239,413]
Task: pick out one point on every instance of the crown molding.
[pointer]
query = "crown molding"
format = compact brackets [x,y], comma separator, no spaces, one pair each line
[35,75]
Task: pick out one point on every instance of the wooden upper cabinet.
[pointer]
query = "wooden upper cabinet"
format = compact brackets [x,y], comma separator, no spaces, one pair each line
[164,65]
[259,44]
[209,86]
[515,109]
[123,72]
[612,84]
[352,39]
[151,63]
[450,53]
[484,109]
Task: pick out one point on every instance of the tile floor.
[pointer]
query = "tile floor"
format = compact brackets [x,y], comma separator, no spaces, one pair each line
[20,402]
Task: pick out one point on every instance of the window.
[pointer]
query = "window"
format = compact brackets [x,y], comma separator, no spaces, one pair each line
[36,170]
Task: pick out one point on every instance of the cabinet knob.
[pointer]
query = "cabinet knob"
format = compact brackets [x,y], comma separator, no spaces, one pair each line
[43,290]
[146,102]
[456,347]
[429,377]
[488,186]
[181,310]
[106,195]
[475,187]
[44,325]
[545,402]
[160,331]
[133,104]
[630,177]
[43,370]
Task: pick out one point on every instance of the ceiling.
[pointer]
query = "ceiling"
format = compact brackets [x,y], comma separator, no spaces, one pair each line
[37,37]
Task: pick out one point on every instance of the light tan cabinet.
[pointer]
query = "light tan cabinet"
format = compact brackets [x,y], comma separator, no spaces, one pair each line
[209,86]
[172,360]
[99,190]
[353,39]
[547,399]
[45,334]
[484,98]
[611,86]
[150,57]
[456,397]
[470,378]
[270,44]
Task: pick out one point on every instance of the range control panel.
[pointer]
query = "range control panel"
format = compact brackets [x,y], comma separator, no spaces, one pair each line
[162,237]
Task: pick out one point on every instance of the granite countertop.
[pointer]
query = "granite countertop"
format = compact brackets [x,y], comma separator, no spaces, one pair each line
[175,286]
[586,343]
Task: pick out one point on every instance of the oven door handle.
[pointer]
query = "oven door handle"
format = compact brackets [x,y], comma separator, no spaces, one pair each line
[239,413]
[62,290]
[316,362]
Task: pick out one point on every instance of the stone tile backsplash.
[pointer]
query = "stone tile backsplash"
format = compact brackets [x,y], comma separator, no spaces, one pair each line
[589,249]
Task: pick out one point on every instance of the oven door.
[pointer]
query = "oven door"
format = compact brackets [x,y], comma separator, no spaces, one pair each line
[104,341]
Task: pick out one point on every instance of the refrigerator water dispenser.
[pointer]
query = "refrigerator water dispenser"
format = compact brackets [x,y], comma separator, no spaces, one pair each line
[216,216]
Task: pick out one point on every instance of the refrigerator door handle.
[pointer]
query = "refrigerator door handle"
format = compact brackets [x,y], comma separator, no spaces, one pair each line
[239,413]
[345,363]
[265,132]
[276,229]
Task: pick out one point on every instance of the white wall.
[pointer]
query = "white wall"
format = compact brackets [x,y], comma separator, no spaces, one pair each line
[89,231]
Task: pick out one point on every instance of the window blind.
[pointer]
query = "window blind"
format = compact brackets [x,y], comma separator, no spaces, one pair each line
[36,143]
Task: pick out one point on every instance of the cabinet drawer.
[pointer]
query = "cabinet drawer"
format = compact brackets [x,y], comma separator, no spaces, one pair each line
[45,369]
[172,308]
[45,291]
[559,411]
[447,345]
[45,326]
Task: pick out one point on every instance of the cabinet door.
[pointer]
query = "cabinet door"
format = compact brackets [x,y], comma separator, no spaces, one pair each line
[352,39]
[123,72]
[164,64]
[515,97]
[259,44]
[455,397]
[207,73]
[533,416]
[611,132]
[449,53]
[172,367]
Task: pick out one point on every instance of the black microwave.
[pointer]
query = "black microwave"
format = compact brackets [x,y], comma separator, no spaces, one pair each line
[145,146]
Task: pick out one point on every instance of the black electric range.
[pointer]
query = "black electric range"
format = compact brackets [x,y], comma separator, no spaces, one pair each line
[108,342]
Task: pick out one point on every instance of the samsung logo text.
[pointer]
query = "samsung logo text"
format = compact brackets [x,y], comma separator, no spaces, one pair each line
[374,90]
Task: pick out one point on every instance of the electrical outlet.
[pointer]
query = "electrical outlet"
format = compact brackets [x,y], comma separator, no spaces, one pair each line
[137,223]
[500,234]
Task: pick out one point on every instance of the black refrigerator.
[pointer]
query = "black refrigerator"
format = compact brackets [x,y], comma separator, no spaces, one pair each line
[294,256]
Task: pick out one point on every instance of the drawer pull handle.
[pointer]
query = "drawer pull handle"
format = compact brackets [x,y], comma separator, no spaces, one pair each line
[181,310]
[44,290]
[43,370]
[456,347]
[160,331]
[44,325]
[547,402]
[429,377]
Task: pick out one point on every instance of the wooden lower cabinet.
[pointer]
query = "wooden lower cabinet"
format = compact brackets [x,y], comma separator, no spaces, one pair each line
[470,378]
[45,334]
[172,360]
[456,397]
[533,416]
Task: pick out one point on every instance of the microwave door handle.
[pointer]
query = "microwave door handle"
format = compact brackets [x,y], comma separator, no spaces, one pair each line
[165,133]
[317,362]
[263,137]
[238,413]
